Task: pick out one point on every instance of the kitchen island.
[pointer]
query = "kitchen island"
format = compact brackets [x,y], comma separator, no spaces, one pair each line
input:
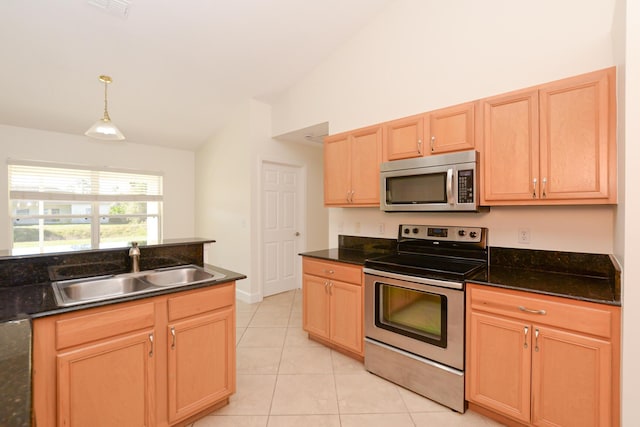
[27,293]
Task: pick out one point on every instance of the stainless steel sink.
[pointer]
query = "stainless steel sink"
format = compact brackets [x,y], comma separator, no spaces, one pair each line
[180,276]
[71,292]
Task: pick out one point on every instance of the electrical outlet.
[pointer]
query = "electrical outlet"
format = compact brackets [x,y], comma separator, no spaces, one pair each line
[381,228]
[524,235]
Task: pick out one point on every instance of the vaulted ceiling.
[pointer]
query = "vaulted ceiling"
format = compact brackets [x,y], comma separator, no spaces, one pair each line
[179,67]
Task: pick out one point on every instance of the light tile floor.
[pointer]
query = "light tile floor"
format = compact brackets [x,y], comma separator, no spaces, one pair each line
[286,380]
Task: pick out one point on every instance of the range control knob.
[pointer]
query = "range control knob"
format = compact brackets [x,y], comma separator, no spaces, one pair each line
[406,231]
[415,230]
[461,232]
[473,234]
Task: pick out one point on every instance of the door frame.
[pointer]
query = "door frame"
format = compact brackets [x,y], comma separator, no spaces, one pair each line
[301,219]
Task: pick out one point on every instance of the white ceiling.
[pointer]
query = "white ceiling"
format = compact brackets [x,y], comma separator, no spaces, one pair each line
[179,67]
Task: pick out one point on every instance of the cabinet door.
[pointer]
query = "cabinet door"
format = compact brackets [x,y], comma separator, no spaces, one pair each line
[510,154]
[110,383]
[315,305]
[365,166]
[451,129]
[571,377]
[346,319]
[337,169]
[576,130]
[499,365]
[404,138]
[201,359]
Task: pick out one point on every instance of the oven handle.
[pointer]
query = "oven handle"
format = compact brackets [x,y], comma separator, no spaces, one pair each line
[414,357]
[423,280]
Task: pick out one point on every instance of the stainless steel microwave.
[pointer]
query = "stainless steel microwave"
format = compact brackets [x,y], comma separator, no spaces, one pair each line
[443,182]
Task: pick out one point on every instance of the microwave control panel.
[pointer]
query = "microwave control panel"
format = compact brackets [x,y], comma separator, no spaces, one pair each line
[465,186]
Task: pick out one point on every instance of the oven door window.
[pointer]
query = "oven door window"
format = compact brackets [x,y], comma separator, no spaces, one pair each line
[424,188]
[412,313]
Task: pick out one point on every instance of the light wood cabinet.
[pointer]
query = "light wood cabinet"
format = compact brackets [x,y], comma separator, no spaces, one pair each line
[108,383]
[440,131]
[200,343]
[352,168]
[542,360]
[451,129]
[404,138]
[332,304]
[552,144]
[156,361]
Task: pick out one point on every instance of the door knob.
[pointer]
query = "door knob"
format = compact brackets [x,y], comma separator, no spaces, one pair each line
[297,233]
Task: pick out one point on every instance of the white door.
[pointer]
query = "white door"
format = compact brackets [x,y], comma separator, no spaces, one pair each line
[280,222]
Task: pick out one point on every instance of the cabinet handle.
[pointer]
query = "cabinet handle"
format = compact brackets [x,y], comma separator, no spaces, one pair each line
[151,348]
[352,193]
[526,332]
[528,310]
[537,333]
[330,286]
[420,146]
[433,141]
[544,188]
[326,287]
[173,337]
[329,271]
[535,183]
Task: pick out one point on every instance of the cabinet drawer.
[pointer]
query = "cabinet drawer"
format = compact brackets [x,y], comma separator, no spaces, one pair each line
[201,301]
[333,270]
[579,316]
[103,324]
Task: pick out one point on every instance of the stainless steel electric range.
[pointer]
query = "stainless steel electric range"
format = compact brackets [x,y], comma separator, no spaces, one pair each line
[414,309]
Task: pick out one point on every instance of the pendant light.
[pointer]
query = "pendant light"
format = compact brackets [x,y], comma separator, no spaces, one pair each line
[104,128]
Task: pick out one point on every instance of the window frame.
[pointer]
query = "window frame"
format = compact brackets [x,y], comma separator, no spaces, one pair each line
[97,176]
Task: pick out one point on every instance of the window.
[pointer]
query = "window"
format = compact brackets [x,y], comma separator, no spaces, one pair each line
[64,208]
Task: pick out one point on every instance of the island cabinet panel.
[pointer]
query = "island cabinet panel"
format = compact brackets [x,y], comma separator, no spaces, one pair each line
[110,383]
[157,361]
[332,304]
[552,144]
[541,360]
[201,362]
[352,168]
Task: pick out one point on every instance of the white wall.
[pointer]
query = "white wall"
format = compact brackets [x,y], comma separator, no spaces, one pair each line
[177,166]
[628,243]
[228,183]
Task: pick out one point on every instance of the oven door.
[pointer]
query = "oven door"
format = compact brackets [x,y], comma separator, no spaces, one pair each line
[416,315]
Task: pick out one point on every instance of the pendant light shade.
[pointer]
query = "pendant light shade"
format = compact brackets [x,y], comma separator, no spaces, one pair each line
[104,128]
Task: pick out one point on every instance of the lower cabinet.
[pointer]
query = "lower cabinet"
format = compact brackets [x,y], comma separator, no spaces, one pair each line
[115,365]
[332,306]
[542,361]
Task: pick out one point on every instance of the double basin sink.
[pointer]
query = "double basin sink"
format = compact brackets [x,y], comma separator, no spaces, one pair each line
[79,291]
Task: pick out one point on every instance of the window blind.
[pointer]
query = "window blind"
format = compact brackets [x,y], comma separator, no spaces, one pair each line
[45,181]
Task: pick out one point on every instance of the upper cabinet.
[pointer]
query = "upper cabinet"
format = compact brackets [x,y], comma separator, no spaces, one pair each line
[451,129]
[440,131]
[552,144]
[404,138]
[352,168]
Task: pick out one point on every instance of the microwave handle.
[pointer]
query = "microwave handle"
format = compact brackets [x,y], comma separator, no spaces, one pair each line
[450,197]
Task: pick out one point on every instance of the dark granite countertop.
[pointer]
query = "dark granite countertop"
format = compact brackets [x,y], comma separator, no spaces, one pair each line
[580,276]
[355,250]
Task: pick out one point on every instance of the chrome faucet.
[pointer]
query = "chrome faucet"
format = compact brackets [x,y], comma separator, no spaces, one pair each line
[134,253]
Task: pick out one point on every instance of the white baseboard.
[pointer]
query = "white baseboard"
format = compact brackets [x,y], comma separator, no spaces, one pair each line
[247,297]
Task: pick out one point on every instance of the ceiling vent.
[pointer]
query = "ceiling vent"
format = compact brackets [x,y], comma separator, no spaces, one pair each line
[114,7]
